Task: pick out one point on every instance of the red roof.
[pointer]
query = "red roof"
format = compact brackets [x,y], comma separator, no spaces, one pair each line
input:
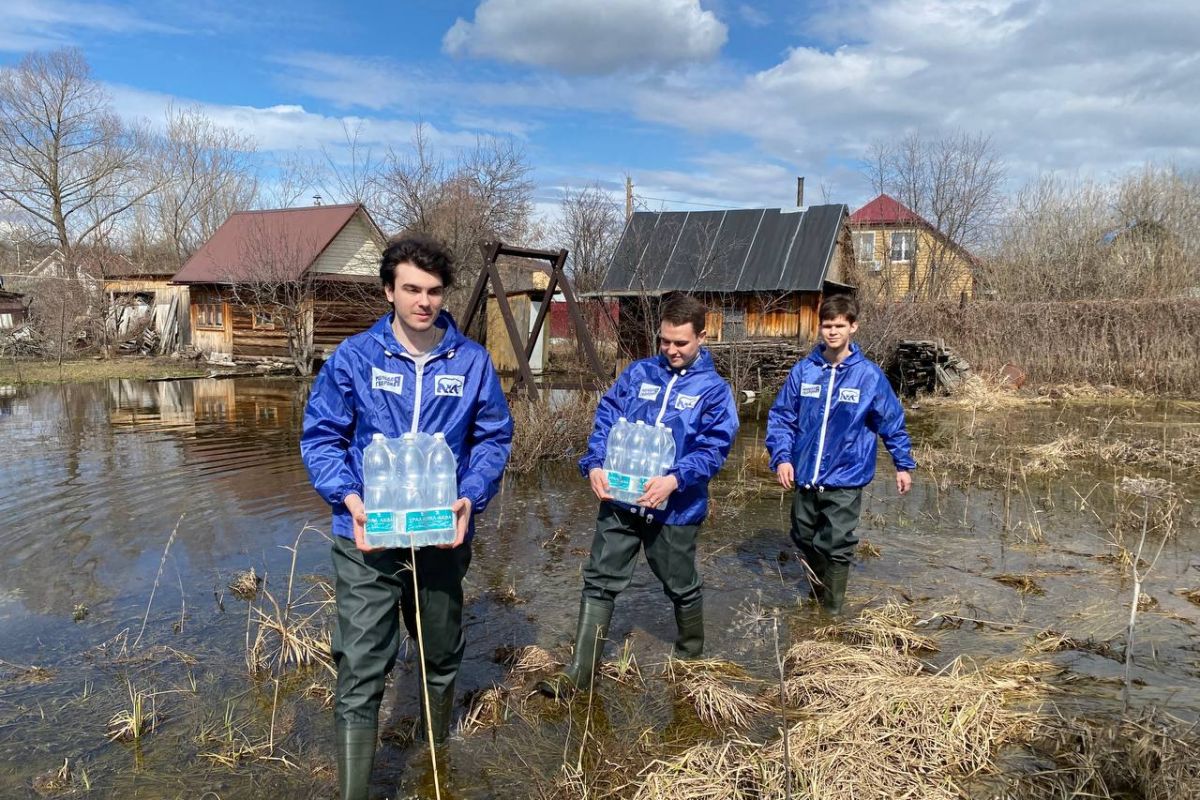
[268,245]
[886,210]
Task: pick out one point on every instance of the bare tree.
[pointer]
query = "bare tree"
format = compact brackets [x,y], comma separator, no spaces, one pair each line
[478,195]
[205,172]
[589,227]
[954,183]
[296,178]
[65,158]
[351,178]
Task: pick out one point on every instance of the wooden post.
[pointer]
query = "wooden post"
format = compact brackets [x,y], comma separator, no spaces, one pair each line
[628,197]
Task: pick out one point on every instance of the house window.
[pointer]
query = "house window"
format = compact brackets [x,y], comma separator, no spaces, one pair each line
[210,315]
[903,245]
[264,321]
[6,321]
[864,247]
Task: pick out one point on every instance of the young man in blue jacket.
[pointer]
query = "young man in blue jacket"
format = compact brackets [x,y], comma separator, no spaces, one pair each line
[821,435]
[679,388]
[411,371]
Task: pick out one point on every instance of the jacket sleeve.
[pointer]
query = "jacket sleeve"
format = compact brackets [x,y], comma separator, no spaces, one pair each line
[714,437]
[489,443]
[609,409]
[886,418]
[783,420]
[328,431]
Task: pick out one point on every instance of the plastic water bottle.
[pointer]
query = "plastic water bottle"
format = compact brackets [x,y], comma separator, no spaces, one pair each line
[665,451]
[441,488]
[410,469]
[615,449]
[379,486]
[639,448]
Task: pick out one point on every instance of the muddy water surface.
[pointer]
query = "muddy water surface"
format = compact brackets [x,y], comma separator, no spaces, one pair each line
[97,611]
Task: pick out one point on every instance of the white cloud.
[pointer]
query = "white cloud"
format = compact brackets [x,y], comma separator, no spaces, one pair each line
[589,37]
[43,24]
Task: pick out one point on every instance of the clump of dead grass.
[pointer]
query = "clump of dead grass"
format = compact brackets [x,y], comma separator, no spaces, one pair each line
[245,584]
[887,627]
[546,431]
[487,709]
[714,689]
[1025,584]
[1191,595]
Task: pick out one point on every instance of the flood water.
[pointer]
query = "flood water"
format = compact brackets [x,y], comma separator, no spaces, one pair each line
[130,506]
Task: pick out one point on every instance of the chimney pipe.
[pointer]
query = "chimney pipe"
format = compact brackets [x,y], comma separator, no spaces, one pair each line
[800,192]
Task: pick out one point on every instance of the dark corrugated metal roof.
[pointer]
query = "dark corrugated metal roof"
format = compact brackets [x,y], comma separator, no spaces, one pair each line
[742,250]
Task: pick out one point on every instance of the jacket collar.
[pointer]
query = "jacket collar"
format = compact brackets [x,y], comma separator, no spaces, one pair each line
[817,356]
[701,363]
[452,339]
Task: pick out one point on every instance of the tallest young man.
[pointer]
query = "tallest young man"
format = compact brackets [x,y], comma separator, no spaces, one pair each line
[412,371]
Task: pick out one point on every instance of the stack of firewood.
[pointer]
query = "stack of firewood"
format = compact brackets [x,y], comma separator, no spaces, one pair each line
[926,366]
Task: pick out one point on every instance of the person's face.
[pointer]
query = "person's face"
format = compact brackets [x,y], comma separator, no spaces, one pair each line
[679,343]
[416,296]
[836,332]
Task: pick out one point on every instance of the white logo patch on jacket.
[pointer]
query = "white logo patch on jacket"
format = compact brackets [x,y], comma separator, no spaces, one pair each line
[686,401]
[810,390]
[448,386]
[387,381]
[649,391]
[848,395]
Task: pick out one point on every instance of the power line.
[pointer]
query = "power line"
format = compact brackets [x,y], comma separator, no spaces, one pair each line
[687,202]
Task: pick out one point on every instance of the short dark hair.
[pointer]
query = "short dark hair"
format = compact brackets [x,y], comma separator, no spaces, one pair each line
[423,252]
[680,307]
[839,305]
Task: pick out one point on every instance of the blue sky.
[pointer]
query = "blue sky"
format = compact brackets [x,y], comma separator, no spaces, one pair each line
[702,101]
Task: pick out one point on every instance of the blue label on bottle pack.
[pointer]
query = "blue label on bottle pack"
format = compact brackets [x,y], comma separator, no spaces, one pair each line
[434,519]
[641,484]
[380,522]
[619,481]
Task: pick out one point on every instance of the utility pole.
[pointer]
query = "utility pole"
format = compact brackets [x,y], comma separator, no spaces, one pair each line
[628,197]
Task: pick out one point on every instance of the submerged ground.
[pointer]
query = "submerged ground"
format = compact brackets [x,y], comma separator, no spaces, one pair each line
[138,660]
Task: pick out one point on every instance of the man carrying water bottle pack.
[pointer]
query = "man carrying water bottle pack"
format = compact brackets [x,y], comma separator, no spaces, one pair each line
[679,388]
[413,371]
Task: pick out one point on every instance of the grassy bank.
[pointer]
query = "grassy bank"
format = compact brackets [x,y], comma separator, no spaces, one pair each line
[89,369]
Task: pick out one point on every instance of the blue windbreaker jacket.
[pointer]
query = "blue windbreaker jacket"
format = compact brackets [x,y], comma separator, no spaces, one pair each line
[826,418]
[371,385]
[695,403]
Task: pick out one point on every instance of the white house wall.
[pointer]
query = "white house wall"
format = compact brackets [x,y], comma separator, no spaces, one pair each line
[354,251]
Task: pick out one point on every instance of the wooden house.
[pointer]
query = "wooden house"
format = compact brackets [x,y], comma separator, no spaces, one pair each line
[525,285]
[265,275]
[139,300]
[899,255]
[762,272]
[12,310]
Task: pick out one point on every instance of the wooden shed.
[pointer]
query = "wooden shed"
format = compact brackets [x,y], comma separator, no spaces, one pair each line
[525,286]
[762,272]
[139,301]
[12,310]
[265,277]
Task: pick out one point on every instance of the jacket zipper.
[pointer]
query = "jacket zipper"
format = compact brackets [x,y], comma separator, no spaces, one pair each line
[824,424]
[420,368]
[662,412]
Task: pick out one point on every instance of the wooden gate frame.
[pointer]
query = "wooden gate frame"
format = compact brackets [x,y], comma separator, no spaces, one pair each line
[523,350]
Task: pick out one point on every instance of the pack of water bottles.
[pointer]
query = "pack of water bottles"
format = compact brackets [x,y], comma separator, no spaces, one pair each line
[409,484]
[635,453]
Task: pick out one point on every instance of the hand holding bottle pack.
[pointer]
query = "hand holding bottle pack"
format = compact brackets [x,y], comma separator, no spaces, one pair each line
[635,454]
[410,485]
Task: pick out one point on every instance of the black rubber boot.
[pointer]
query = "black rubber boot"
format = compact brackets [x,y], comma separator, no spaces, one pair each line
[441,709]
[834,595]
[355,758]
[594,616]
[820,567]
[690,622]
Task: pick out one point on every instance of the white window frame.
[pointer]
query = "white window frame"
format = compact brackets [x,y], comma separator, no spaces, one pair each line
[864,254]
[907,256]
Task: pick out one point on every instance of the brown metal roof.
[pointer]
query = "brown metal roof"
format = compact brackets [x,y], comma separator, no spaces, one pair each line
[268,245]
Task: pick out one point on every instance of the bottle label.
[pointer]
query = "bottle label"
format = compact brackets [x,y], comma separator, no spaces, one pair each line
[619,481]
[428,521]
[380,522]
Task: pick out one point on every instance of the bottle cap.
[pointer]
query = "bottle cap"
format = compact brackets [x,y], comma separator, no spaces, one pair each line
[439,435]
[410,436]
[377,437]
[622,419]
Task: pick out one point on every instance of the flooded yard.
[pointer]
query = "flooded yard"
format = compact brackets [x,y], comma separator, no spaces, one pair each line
[138,658]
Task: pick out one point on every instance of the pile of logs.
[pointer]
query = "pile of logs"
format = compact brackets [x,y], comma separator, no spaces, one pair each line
[926,366]
[759,364]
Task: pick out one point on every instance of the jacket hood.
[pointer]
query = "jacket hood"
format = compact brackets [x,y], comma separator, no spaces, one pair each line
[452,339]
[817,356]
